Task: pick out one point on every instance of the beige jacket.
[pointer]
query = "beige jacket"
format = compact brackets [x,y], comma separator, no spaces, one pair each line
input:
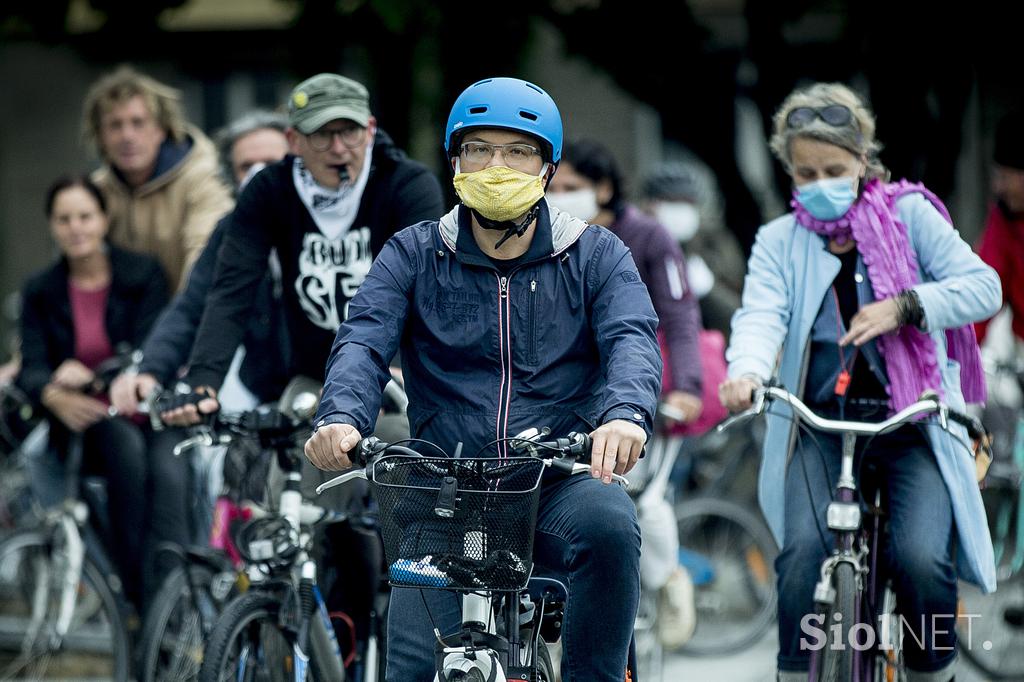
[171,216]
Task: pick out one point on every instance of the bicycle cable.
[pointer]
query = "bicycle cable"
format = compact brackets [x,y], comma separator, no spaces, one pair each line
[509,439]
[430,617]
[806,476]
[810,432]
[419,440]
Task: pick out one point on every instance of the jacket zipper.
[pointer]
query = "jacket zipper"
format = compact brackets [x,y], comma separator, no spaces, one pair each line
[532,359]
[505,348]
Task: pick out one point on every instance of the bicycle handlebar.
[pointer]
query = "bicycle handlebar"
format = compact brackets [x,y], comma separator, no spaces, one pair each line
[928,403]
[564,455]
[224,427]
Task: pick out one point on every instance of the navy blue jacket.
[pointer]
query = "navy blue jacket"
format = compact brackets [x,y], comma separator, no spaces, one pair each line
[166,351]
[565,340]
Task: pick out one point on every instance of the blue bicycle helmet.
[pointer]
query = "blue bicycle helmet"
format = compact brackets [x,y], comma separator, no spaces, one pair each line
[506,103]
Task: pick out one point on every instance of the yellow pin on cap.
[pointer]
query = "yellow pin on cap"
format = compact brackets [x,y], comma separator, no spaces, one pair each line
[301,99]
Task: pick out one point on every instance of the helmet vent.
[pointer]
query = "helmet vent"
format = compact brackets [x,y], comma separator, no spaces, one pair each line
[478,110]
[529,116]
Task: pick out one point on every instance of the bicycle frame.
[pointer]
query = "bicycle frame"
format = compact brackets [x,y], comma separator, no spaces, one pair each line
[68,522]
[844,519]
[854,542]
[296,574]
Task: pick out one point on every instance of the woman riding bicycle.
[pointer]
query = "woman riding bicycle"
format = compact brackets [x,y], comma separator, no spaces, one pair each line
[865,294]
[76,312]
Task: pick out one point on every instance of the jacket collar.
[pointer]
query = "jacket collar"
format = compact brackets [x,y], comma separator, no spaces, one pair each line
[171,159]
[564,230]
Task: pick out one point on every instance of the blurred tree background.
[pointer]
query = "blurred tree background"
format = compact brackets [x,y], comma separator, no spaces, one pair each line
[651,79]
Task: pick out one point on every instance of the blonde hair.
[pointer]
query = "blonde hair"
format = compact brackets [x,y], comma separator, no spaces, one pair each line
[121,85]
[858,139]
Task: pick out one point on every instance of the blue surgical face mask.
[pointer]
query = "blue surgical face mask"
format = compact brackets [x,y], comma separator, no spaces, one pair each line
[827,199]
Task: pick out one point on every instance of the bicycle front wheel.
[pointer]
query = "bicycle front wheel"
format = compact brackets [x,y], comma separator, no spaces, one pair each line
[545,670]
[32,574]
[650,654]
[985,638]
[177,623]
[734,589]
[249,644]
[837,656]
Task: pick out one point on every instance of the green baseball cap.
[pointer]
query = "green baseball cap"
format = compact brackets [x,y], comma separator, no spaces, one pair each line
[326,97]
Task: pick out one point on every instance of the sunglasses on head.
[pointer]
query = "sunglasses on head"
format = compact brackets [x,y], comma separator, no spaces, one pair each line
[836,115]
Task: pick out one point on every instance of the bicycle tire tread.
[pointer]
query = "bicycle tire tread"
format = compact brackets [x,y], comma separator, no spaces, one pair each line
[837,665]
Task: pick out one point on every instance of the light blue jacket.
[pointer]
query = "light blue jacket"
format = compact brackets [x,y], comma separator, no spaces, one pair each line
[789,273]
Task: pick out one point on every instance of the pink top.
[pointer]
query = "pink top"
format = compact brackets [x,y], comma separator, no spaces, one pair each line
[89,313]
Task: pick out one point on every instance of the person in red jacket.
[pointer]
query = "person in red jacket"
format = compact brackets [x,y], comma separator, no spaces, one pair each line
[1002,242]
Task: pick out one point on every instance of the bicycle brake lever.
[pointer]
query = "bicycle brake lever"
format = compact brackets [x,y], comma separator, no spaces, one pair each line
[738,418]
[757,408]
[340,480]
[203,438]
[616,478]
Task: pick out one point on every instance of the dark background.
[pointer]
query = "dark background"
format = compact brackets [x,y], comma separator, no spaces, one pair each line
[649,78]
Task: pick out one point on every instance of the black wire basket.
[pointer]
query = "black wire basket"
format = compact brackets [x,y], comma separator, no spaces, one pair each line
[458,524]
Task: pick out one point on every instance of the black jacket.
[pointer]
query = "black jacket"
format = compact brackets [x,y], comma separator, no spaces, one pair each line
[319,276]
[138,292]
[168,346]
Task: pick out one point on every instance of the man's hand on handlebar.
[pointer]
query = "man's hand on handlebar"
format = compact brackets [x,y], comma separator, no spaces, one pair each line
[192,412]
[329,447]
[128,389]
[736,394]
[616,448]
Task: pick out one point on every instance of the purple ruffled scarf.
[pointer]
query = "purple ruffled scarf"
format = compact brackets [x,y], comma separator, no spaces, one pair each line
[910,355]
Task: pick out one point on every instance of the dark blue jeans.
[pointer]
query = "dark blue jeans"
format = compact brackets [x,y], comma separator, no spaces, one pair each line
[920,542]
[586,531]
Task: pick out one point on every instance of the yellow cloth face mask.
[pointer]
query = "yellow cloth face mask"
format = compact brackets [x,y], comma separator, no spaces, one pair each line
[499,193]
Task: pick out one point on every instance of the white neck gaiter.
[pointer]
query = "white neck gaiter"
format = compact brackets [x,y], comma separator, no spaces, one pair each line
[332,210]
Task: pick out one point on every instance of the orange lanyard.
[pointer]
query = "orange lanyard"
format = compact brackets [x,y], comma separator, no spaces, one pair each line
[845,371]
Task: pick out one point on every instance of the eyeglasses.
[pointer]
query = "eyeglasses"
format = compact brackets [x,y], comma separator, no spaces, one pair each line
[516,155]
[836,115]
[322,140]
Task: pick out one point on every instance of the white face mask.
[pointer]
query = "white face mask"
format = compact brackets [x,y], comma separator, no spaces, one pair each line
[681,218]
[581,203]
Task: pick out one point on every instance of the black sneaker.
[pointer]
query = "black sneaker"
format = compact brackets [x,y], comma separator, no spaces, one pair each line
[1014,615]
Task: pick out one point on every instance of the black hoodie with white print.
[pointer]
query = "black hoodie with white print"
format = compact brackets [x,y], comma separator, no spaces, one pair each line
[320,272]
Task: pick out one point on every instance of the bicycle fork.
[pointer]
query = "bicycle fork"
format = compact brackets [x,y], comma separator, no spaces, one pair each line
[844,518]
[477,617]
[72,548]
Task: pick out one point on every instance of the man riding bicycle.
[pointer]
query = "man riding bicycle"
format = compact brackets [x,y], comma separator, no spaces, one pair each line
[326,209]
[510,314]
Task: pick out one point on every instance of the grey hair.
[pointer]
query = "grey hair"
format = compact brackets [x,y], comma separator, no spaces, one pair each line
[252,121]
[858,139]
